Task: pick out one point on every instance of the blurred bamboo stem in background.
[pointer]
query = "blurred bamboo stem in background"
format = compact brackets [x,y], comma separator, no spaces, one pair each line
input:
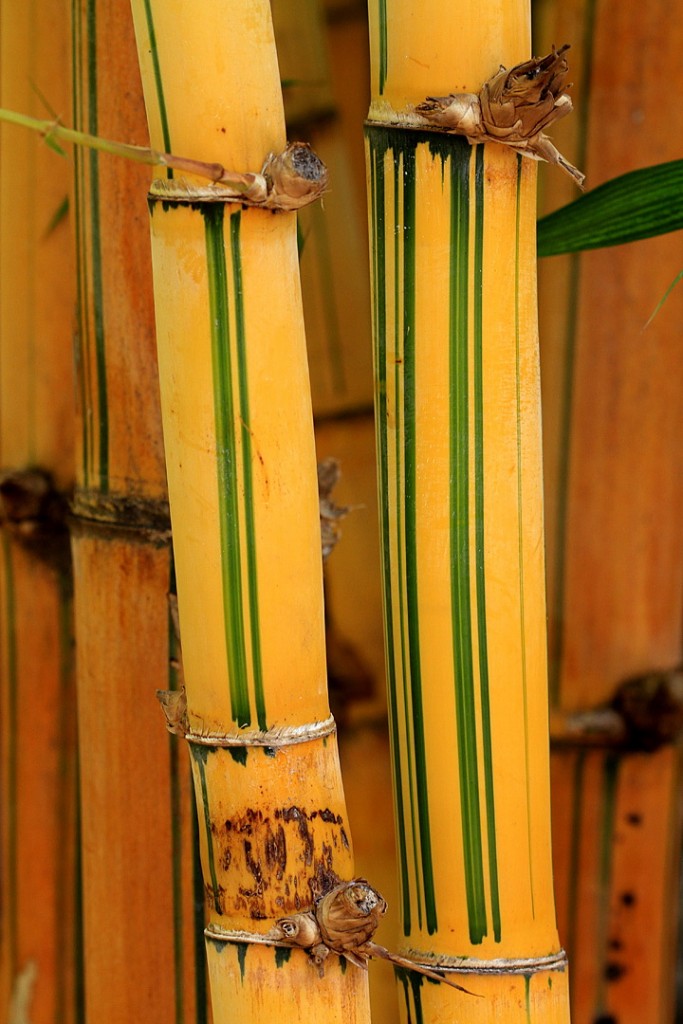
[40,968]
[138,847]
[612,428]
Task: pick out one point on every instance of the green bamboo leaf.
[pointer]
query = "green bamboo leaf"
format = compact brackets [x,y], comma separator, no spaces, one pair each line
[50,141]
[637,205]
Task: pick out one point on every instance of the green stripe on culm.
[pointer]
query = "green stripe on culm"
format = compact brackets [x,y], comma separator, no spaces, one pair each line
[81,250]
[410,513]
[158,81]
[228,501]
[610,778]
[399,569]
[200,756]
[460,543]
[403,145]
[79,942]
[411,982]
[378,227]
[520,531]
[244,416]
[96,257]
[201,1000]
[480,569]
[383,41]
[176,819]
[12,684]
[578,778]
[67,951]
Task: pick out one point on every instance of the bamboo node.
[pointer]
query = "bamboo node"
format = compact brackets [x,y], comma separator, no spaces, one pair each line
[278,736]
[500,965]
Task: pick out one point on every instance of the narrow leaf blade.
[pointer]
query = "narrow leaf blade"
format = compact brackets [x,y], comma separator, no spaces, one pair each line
[636,205]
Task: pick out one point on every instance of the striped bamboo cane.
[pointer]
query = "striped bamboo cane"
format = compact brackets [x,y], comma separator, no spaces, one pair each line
[39,936]
[615,579]
[139,875]
[457,402]
[242,486]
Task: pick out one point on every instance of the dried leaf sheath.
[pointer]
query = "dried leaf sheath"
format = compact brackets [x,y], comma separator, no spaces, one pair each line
[512,108]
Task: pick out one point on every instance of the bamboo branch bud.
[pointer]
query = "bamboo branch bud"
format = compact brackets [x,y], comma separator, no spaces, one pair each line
[343,921]
[512,107]
[300,930]
[295,177]
[348,915]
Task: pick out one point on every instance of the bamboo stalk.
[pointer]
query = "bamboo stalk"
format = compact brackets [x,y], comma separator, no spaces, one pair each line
[458,445]
[40,970]
[242,485]
[139,849]
[615,561]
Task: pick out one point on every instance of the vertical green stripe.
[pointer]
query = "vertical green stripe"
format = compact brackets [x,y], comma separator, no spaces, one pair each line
[399,570]
[378,227]
[410,511]
[382,19]
[201,1001]
[460,544]
[176,820]
[11,734]
[79,943]
[158,81]
[250,529]
[520,536]
[96,254]
[482,641]
[81,249]
[574,856]
[556,598]
[231,569]
[67,951]
[200,756]
[610,778]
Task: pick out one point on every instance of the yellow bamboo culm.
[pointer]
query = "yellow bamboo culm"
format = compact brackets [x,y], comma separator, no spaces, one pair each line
[244,510]
[461,509]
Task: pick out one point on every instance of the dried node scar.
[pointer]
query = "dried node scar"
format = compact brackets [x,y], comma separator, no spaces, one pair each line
[343,921]
[512,108]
